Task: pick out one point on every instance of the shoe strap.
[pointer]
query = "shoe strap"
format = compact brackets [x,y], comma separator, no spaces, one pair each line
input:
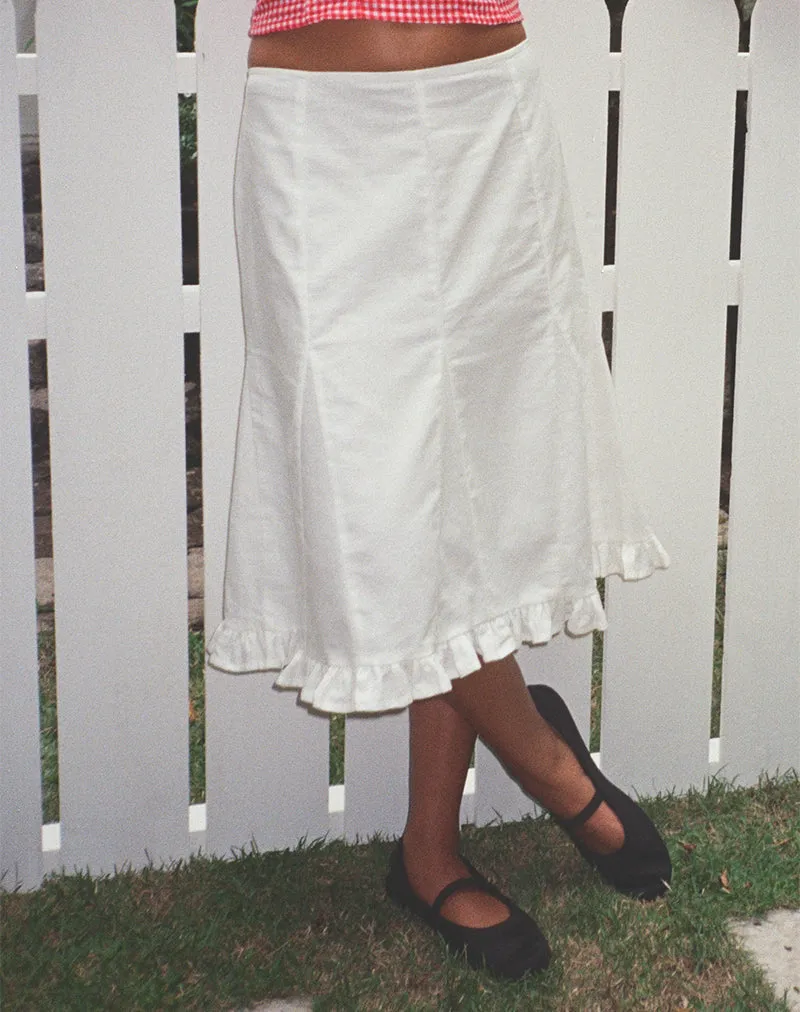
[577,820]
[460,883]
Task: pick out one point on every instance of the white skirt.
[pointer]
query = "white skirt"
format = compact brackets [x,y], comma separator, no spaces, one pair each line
[428,465]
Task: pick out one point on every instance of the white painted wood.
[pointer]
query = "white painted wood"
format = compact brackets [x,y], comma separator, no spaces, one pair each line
[20,773]
[760,720]
[187,73]
[679,75]
[376,775]
[36,312]
[571,41]
[109,161]
[26,74]
[266,756]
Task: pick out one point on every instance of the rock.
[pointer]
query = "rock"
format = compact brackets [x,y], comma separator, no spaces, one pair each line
[194,529]
[43,536]
[722,536]
[196,614]
[44,584]
[194,488]
[45,621]
[194,566]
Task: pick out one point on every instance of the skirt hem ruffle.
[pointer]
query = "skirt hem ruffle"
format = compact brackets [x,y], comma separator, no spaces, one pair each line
[240,646]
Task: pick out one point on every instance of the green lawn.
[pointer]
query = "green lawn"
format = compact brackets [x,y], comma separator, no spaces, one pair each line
[213,935]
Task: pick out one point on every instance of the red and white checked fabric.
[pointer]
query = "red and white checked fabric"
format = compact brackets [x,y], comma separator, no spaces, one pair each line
[278,15]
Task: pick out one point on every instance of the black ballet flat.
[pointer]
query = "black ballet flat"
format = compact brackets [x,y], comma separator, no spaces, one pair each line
[641,868]
[510,949]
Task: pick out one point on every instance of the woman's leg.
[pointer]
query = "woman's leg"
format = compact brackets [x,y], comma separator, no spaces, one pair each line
[495,703]
[441,743]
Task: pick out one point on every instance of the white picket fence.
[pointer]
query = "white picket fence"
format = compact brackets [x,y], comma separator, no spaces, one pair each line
[114,314]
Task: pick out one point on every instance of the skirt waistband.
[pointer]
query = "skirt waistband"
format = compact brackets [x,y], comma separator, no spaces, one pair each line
[464,68]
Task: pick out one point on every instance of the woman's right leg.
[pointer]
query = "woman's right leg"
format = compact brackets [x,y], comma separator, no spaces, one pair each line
[441,743]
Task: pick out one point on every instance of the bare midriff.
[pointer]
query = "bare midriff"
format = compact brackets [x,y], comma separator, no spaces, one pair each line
[371,45]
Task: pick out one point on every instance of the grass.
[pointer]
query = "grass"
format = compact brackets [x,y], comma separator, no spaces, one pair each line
[213,935]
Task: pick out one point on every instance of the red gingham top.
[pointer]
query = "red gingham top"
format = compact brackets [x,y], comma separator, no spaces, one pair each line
[277,15]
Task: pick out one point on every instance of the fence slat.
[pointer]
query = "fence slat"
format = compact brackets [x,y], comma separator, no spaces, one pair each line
[570,40]
[376,775]
[760,721]
[109,163]
[679,74]
[266,756]
[20,774]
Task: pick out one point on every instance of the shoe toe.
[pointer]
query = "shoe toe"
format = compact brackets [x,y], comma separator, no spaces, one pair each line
[511,949]
[640,869]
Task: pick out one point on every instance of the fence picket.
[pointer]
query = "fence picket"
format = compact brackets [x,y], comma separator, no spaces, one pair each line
[266,756]
[760,720]
[376,775]
[109,162]
[20,775]
[679,74]
[571,44]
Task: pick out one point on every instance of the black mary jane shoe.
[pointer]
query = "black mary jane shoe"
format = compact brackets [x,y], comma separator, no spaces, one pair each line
[510,949]
[641,867]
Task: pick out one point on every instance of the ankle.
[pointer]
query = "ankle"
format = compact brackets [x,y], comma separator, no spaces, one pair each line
[431,841]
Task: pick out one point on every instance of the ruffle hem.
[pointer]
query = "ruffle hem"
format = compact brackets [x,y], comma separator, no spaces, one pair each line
[240,646]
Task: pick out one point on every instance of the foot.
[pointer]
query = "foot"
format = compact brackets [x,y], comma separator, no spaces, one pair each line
[429,870]
[564,789]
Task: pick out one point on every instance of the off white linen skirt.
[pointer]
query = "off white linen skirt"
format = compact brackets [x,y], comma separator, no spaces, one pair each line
[428,469]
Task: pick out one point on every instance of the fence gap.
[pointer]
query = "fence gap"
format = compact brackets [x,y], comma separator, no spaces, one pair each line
[45,602]
[596,692]
[737,184]
[32,212]
[612,165]
[608,335]
[724,500]
[187,125]
[194,477]
[48,724]
[616,9]
[731,331]
[197,719]
[744,32]
[194,562]
[338,726]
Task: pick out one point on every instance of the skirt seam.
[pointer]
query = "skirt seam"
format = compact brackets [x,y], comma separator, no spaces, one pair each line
[447,381]
[544,241]
[324,425]
[436,273]
[301,403]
